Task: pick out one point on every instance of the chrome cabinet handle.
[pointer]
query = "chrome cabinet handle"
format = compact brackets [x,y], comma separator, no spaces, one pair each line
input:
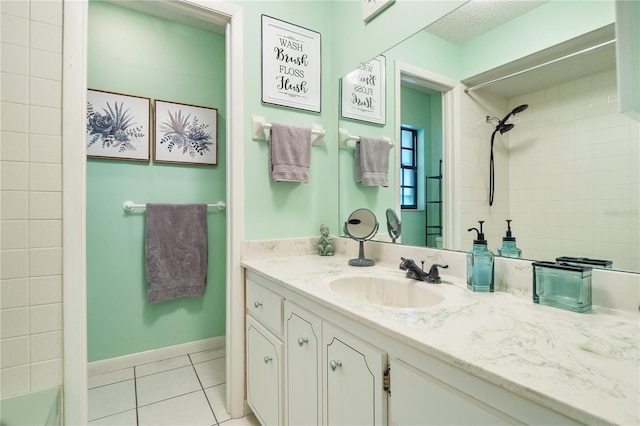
[257,304]
[335,364]
[267,359]
[302,340]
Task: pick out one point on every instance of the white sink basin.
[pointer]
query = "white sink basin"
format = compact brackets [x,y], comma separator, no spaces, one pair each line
[396,293]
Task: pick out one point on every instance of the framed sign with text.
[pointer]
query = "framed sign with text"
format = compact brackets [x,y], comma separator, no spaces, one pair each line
[291,65]
[363,92]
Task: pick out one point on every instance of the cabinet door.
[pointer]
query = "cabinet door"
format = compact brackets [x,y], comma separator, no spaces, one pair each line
[264,369]
[353,374]
[420,399]
[303,368]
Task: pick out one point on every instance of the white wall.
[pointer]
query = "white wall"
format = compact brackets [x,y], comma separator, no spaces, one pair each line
[575,158]
[31,190]
[567,174]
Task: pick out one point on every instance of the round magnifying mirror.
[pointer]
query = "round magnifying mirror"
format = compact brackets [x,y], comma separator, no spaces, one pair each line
[393,225]
[362,225]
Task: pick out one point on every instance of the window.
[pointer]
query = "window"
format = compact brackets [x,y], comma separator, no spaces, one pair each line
[408,168]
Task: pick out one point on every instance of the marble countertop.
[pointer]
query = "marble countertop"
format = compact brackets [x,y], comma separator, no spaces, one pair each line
[586,366]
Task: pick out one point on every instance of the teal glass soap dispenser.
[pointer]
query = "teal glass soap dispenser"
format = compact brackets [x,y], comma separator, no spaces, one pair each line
[480,264]
[509,248]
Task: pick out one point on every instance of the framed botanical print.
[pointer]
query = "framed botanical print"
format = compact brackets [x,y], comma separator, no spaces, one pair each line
[185,134]
[117,126]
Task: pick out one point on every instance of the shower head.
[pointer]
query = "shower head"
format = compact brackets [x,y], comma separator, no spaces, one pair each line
[505,128]
[515,111]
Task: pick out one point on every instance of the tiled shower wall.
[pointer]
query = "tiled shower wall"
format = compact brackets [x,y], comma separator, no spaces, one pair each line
[568,174]
[576,162]
[31,196]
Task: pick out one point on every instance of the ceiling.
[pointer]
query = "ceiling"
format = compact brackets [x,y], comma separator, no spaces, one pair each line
[477,17]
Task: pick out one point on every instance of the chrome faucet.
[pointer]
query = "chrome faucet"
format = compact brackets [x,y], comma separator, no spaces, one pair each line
[416,273]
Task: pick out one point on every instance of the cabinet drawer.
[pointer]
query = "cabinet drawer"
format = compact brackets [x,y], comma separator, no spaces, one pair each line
[264,305]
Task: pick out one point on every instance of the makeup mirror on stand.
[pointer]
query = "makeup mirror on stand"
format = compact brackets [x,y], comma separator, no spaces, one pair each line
[361,226]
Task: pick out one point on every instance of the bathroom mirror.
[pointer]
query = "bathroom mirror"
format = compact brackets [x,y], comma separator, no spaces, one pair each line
[546,219]
[393,225]
[361,225]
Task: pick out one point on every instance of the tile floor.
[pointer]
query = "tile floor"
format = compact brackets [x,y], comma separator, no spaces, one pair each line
[186,390]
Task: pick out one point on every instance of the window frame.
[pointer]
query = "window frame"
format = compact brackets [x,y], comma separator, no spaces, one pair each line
[412,167]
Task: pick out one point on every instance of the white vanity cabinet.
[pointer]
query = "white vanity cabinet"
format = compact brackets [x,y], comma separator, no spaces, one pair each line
[418,398]
[308,364]
[264,357]
[354,393]
[303,371]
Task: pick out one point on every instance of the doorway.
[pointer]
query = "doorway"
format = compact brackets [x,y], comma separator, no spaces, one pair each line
[438,172]
[74,195]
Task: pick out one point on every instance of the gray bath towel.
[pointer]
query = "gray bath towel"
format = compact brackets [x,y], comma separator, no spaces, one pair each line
[176,250]
[372,162]
[290,153]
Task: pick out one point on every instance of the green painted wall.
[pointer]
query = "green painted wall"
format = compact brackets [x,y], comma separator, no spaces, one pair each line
[552,23]
[137,54]
[286,209]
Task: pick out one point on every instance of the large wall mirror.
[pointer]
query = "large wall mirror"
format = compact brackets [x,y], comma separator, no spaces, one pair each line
[566,173]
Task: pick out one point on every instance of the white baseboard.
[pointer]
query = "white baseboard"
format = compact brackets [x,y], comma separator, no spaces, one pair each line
[131,360]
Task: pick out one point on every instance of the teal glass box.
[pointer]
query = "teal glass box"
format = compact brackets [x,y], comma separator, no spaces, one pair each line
[585,261]
[562,286]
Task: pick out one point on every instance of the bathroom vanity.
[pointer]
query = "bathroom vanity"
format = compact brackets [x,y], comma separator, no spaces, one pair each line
[318,355]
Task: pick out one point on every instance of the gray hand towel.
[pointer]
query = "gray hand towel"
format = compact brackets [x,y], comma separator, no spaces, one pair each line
[290,153]
[176,250]
[372,162]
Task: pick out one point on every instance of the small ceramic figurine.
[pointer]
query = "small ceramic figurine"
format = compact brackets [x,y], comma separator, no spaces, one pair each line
[325,244]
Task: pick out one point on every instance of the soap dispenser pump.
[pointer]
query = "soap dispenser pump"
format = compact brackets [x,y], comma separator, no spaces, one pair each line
[480,264]
[509,248]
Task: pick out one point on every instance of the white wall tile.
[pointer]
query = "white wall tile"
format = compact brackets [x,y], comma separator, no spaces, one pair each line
[14,234]
[45,233]
[15,88]
[46,261]
[45,121]
[14,205]
[46,374]
[45,318]
[45,290]
[15,264]
[15,322]
[45,177]
[15,117]
[14,176]
[15,8]
[14,352]
[45,64]
[44,92]
[14,30]
[46,11]
[46,37]
[45,205]
[14,146]
[45,346]
[14,59]
[14,380]
[15,293]
[45,149]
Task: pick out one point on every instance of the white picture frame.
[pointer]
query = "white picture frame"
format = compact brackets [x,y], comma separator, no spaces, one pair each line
[185,134]
[372,8]
[363,92]
[291,65]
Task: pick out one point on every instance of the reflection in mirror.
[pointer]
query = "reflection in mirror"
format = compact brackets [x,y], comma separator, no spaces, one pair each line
[361,226]
[393,225]
[567,176]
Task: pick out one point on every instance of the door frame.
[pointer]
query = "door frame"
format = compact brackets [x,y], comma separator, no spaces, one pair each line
[451,91]
[74,88]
